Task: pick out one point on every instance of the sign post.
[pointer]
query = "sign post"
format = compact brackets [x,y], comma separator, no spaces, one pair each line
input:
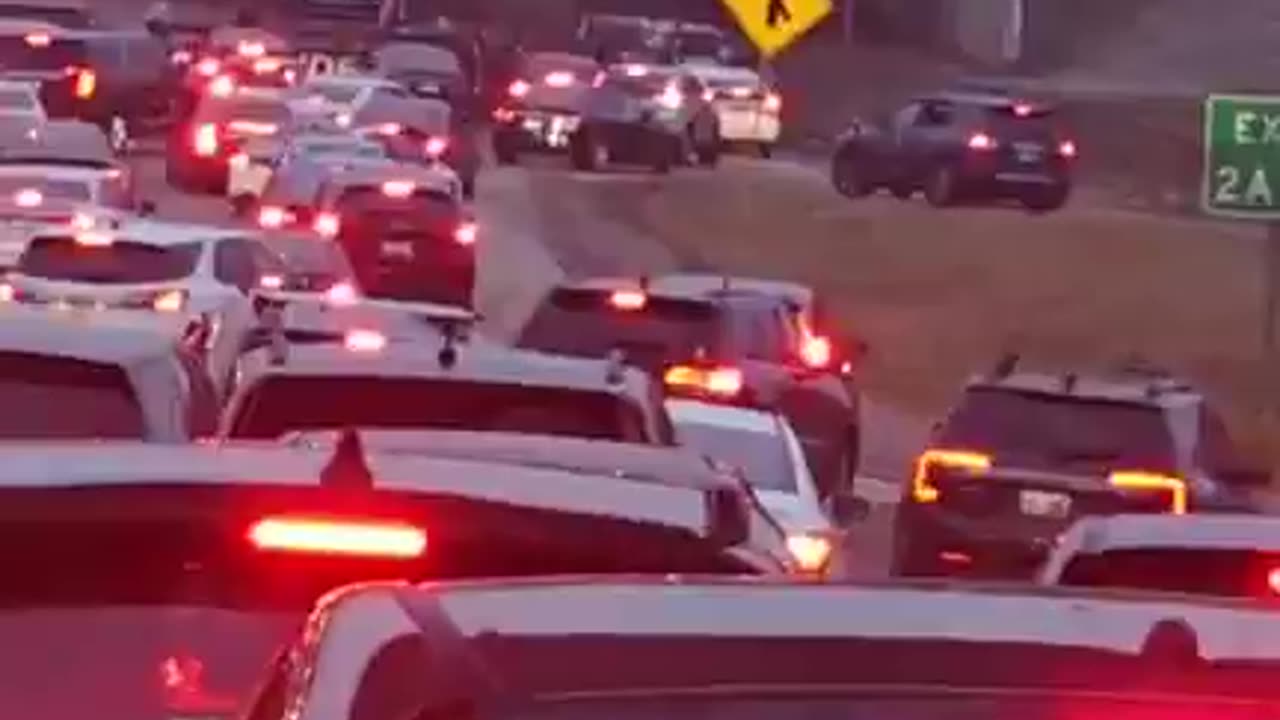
[1241,179]
[772,25]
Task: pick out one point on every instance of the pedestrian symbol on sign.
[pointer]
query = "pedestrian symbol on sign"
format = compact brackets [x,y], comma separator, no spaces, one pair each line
[777,13]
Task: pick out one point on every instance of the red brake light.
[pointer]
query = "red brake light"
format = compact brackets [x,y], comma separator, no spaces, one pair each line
[86,83]
[628,299]
[38,39]
[271,282]
[1067,149]
[922,488]
[518,88]
[1146,482]
[815,352]
[1273,580]
[723,382]
[981,141]
[222,86]
[28,198]
[1022,110]
[466,233]
[205,142]
[374,538]
[272,217]
[772,102]
[364,341]
[559,79]
[436,146]
[326,225]
[208,67]
[398,189]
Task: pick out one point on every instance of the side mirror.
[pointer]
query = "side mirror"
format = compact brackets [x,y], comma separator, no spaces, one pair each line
[847,509]
[147,208]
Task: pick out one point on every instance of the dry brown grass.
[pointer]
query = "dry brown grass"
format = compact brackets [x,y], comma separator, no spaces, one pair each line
[939,294]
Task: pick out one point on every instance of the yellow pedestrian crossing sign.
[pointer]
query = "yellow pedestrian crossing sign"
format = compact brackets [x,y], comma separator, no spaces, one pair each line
[774,24]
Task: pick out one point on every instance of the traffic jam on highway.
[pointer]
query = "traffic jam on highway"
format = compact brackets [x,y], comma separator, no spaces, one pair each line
[273,465]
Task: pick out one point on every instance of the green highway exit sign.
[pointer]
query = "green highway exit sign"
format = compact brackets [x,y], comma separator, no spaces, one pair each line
[1242,156]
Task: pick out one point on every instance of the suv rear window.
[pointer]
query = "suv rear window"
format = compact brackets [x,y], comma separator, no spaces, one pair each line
[365,199]
[1062,430]
[61,258]
[66,398]
[584,324]
[16,54]
[279,405]
[66,17]
[1211,572]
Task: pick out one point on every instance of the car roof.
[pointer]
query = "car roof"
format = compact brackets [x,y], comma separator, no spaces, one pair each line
[750,613]
[478,360]
[1206,531]
[74,464]
[724,73]
[624,461]
[699,286]
[117,337]
[1151,392]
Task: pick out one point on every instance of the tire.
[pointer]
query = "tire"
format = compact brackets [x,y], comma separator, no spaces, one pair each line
[1044,201]
[765,150]
[940,187]
[504,150]
[664,154]
[910,561]
[846,177]
[709,154]
[585,151]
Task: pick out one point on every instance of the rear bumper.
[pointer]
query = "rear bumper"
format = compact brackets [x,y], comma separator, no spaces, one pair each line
[992,178]
[748,125]
[536,131]
[929,539]
[439,270]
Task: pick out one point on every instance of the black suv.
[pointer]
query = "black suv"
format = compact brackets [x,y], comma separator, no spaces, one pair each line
[960,147]
[726,340]
[1024,454]
[122,81]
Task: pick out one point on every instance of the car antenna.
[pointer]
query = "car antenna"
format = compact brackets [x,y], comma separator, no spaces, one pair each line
[448,355]
[348,469]
[617,360]
[1006,365]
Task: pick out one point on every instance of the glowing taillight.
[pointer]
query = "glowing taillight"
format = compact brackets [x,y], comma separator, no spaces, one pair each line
[251,49]
[169,301]
[94,239]
[811,553]
[725,382]
[364,341]
[559,79]
[1273,580]
[628,299]
[38,39]
[772,103]
[1139,481]
[373,538]
[981,141]
[264,66]
[86,83]
[271,282]
[208,67]
[635,71]
[518,88]
[1067,149]
[28,198]
[815,352]
[272,217]
[436,146]
[671,98]
[205,142]
[222,86]
[922,488]
[398,189]
[389,129]
[466,233]
[1022,110]
[326,225]
[250,127]
[181,57]
[341,294]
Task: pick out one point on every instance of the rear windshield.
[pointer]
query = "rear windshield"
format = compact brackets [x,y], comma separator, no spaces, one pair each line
[643,86]
[65,398]
[47,187]
[585,324]
[17,54]
[17,100]
[1062,430]
[62,258]
[369,201]
[1211,572]
[762,456]
[279,405]
[250,109]
[67,17]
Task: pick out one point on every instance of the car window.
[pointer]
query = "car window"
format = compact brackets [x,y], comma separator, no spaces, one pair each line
[906,117]
[47,187]
[585,323]
[123,262]
[16,54]
[66,398]
[762,334]
[757,448]
[233,264]
[17,100]
[370,204]
[1196,571]
[1062,430]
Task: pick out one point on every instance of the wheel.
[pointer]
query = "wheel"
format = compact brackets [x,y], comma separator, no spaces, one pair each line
[469,188]
[586,153]
[847,178]
[118,134]
[1043,201]
[664,153]
[765,150]
[709,154]
[940,187]
[504,150]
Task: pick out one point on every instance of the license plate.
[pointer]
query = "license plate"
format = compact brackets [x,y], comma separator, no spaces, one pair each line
[397,250]
[533,125]
[1044,504]
[1028,152]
